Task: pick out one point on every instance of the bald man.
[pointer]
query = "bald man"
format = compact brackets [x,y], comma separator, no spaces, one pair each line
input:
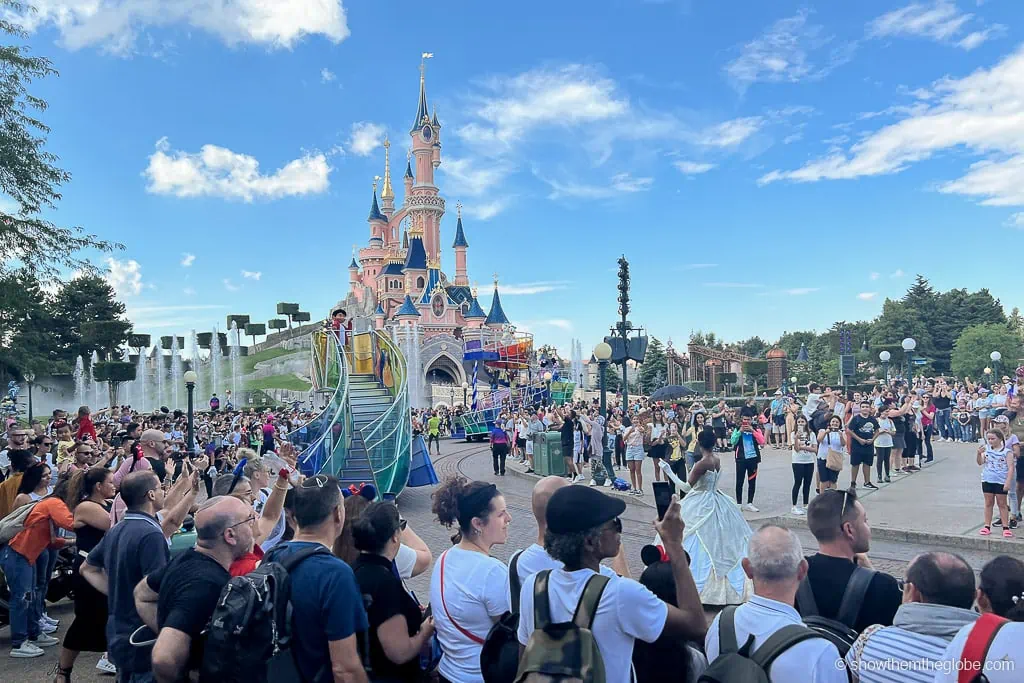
[178,601]
[535,558]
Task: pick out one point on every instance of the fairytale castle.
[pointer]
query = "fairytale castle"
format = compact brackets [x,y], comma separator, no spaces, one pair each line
[397,277]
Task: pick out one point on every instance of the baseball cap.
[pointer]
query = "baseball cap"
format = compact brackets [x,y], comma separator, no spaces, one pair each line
[580,508]
[1001,418]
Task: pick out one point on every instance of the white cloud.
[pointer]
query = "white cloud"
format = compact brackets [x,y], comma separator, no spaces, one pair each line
[326,75]
[218,172]
[252,275]
[114,25]
[732,285]
[731,133]
[365,138]
[787,52]
[867,296]
[124,276]
[560,324]
[621,183]
[189,291]
[794,137]
[897,273]
[231,286]
[874,276]
[187,260]
[527,288]
[937,20]
[485,210]
[692,167]
[800,291]
[982,112]
[473,177]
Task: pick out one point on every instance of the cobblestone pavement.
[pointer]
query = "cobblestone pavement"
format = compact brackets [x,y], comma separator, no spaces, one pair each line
[473,461]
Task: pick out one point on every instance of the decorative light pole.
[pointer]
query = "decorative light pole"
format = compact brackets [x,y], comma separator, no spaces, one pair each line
[603,352]
[465,395]
[995,356]
[909,344]
[884,356]
[792,381]
[190,384]
[547,381]
[30,379]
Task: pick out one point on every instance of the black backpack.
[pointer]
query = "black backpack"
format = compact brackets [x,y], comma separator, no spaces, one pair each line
[499,658]
[820,418]
[736,664]
[249,636]
[840,630]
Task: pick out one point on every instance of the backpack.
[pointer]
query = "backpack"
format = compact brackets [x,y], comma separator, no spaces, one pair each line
[499,657]
[820,418]
[564,652]
[740,665]
[975,653]
[248,639]
[14,523]
[839,630]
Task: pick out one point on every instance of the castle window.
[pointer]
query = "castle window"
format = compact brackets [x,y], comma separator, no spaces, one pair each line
[419,283]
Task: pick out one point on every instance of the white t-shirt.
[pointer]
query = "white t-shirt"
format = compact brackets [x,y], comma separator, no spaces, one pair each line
[535,559]
[807,439]
[405,561]
[811,405]
[833,440]
[475,595]
[885,440]
[627,611]
[1004,662]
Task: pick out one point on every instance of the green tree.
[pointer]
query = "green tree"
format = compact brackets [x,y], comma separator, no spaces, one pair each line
[114,373]
[78,302]
[709,340]
[652,371]
[106,337]
[28,171]
[755,371]
[972,350]
[1016,322]
[755,347]
[26,338]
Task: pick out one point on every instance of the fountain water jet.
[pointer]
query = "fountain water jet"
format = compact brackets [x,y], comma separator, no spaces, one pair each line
[79,376]
[176,372]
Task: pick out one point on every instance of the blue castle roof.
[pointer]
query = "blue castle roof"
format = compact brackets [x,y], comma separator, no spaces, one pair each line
[460,235]
[475,312]
[354,264]
[496,316]
[407,308]
[380,309]
[416,258]
[375,214]
[408,169]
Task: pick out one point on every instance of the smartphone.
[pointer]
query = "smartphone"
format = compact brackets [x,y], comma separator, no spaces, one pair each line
[662,497]
[427,613]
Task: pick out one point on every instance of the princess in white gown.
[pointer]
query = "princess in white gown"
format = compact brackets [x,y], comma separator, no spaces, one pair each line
[716,535]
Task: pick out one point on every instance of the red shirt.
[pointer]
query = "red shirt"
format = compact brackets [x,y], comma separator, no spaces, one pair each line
[36,537]
[85,426]
[246,563]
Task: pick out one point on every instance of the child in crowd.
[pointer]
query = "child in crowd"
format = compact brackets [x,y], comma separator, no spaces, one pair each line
[996,478]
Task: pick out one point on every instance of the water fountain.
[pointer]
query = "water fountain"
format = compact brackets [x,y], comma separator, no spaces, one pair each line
[193,349]
[158,361]
[176,373]
[79,376]
[236,359]
[140,387]
[97,400]
[413,370]
[126,395]
[215,361]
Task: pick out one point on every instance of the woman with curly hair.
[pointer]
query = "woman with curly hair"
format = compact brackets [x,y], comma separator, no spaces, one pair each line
[468,588]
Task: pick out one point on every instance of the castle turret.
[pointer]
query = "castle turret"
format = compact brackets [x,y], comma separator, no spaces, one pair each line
[475,316]
[378,223]
[353,269]
[387,194]
[408,176]
[425,159]
[435,154]
[496,318]
[460,245]
[378,316]
[407,314]
[415,260]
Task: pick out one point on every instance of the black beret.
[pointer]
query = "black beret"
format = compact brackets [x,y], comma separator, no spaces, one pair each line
[580,508]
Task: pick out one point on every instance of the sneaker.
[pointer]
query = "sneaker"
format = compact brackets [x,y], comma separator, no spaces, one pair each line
[888,480]
[853,486]
[593,482]
[608,483]
[45,641]
[46,617]
[26,651]
[801,511]
[870,485]
[749,507]
[47,627]
[530,471]
[1013,522]
[795,510]
[105,665]
[998,522]
[580,479]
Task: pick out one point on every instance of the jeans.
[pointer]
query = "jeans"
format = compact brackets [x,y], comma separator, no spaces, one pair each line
[803,475]
[928,443]
[499,451]
[45,563]
[746,468]
[943,423]
[21,580]
[606,462]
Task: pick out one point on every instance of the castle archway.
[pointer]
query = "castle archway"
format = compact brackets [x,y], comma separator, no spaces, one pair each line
[444,370]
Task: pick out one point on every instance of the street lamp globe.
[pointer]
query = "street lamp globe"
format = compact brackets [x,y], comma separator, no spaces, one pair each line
[30,377]
[884,356]
[603,351]
[547,376]
[909,344]
[995,356]
[465,385]
[988,371]
[792,379]
[191,377]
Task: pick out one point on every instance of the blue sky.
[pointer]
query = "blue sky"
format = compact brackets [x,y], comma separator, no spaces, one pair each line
[764,165]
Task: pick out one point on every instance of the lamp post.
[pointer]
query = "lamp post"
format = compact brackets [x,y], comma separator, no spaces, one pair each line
[547,381]
[465,388]
[30,379]
[603,352]
[884,356]
[995,356]
[190,384]
[909,344]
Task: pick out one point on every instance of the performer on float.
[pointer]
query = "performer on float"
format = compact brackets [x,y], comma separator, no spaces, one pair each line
[716,534]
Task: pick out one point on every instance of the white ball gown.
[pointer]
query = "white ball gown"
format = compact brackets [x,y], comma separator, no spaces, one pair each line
[716,538]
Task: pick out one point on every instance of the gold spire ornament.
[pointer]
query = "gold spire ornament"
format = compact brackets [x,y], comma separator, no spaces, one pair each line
[387,192]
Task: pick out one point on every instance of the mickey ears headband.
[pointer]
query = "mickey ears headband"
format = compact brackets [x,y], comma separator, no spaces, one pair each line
[367,491]
[652,554]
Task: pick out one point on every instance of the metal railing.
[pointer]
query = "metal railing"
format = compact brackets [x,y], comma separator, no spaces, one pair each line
[328,436]
[388,438]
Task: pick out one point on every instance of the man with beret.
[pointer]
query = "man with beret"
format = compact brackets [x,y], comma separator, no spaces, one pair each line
[583,528]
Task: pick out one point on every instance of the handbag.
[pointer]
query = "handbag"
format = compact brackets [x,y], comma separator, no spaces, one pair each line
[834,458]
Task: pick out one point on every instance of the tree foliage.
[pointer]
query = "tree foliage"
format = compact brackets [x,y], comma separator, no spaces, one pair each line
[652,371]
[114,372]
[77,302]
[28,171]
[973,348]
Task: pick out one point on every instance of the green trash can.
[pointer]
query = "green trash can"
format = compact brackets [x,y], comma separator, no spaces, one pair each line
[547,454]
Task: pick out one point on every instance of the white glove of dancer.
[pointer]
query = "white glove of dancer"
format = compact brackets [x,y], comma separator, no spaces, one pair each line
[683,486]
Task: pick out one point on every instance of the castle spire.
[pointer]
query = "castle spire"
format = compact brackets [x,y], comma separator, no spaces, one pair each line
[408,164]
[375,213]
[386,192]
[422,111]
[460,235]
[496,316]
